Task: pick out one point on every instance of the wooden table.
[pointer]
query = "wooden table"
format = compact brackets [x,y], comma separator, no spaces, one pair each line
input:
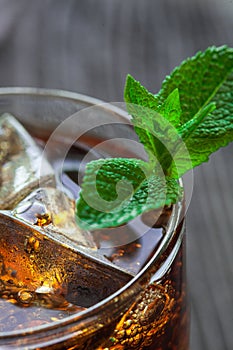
[89,46]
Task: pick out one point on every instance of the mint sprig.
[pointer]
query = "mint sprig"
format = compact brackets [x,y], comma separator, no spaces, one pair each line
[180,127]
[117,190]
[203,79]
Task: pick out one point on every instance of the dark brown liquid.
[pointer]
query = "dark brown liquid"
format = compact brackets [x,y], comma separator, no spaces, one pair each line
[159,319]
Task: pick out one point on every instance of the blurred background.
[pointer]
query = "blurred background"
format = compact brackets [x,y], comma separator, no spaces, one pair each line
[88,46]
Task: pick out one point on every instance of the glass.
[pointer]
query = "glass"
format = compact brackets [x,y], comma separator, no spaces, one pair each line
[134,302]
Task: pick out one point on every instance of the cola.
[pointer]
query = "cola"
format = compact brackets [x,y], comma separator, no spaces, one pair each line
[107,289]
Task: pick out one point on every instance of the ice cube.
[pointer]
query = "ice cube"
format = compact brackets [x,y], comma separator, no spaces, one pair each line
[21,164]
[40,242]
[52,211]
[30,260]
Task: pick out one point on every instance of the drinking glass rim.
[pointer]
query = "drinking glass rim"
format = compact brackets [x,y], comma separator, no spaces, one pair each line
[20,90]
[176,216]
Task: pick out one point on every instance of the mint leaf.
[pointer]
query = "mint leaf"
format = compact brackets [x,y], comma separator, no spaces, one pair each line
[204,78]
[189,127]
[180,127]
[137,94]
[142,118]
[115,191]
[203,81]
[155,125]
[169,107]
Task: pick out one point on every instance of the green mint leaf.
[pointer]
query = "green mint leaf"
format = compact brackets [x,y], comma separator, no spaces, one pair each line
[158,126]
[180,127]
[203,79]
[155,125]
[115,191]
[189,127]
[136,94]
[181,160]
[171,108]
